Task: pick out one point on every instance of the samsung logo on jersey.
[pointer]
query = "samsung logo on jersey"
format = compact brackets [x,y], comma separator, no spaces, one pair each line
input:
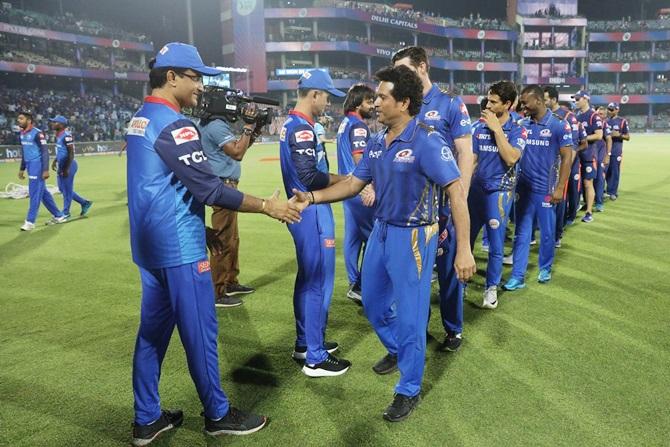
[488,148]
[535,142]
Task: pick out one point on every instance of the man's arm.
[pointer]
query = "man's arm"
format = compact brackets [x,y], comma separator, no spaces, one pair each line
[344,189]
[608,146]
[507,152]
[465,159]
[41,142]
[595,136]
[563,173]
[303,155]
[70,156]
[464,263]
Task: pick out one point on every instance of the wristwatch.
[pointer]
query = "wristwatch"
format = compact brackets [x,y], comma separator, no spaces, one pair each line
[246,131]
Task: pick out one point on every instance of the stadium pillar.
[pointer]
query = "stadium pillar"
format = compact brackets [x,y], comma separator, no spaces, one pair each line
[369,60]
[416,39]
[368,32]
[282,30]
[189,21]
[617,81]
[451,49]
[315,29]
[481,48]
[316,59]
[650,87]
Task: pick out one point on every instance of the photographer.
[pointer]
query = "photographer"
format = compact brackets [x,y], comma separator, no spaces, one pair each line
[225,152]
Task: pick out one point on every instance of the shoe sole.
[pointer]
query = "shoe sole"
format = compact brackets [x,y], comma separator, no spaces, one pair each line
[323,373]
[139,442]
[355,297]
[228,305]
[511,289]
[239,293]
[543,281]
[303,355]
[237,432]
[487,305]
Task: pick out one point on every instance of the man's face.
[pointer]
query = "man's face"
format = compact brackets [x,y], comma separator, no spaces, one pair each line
[321,102]
[56,127]
[23,121]
[388,109]
[581,102]
[602,112]
[495,104]
[548,101]
[367,108]
[188,88]
[612,112]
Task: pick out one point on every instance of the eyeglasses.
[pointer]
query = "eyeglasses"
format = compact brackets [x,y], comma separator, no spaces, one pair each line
[195,78]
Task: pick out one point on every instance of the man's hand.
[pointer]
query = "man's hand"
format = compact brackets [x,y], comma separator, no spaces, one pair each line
[54,166]
[464,264]
[492,121]
[213,242]
[249,113]
[301,199]
[557,196]
[22,175]
[616,133]
[45,175]
[287,212]
[368,196]
[606,161]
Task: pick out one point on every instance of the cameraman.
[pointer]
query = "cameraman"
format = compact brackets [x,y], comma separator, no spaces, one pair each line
[225,152]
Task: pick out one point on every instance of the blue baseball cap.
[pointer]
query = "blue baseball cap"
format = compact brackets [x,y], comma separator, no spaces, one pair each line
[318,79]
[613,106]
[582,94]
[59,119]
[182,55]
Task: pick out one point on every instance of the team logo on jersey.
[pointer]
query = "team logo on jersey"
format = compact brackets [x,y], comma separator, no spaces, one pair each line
[589,169]
[432,115]
[68,139]
[309,151]
[137,126]
[619,158]
[404,156]
[494,224]
[375,154]
[360,132]
[329,243]
[282,134]
[185,134]
[521,143]
[465,122]
[445,154]
[545,133]
[304,135]
[464,109]
[195,157]
[576,177]
[42,138]
[203,266]
[359,144]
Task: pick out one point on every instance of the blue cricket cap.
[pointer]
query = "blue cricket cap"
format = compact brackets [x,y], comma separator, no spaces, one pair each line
[613,106]
[318,79]
[182,55]
[59,119]
[582,94]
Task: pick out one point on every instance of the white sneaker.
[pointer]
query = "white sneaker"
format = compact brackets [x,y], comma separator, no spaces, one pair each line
[490,298]
[27,226]
[57,220]
[509,259]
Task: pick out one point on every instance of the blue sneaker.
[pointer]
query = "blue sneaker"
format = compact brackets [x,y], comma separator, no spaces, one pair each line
[588,217]
[514,284]
[613,197]
[85,207]
[600,207]
[544,276]
[569,222]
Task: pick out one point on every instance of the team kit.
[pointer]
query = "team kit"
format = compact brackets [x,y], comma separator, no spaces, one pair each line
[416,196]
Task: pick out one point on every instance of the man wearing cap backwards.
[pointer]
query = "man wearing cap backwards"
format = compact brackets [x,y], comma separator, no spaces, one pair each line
[305,169]
[169,182]
[410,165]
[619,135]
[35,159]
[594,130]
[66,166]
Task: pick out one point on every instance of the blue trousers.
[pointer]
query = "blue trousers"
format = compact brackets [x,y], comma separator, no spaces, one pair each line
[314,239]
[451,289]
[574,189]
[397,268]
[181,296]
[37,189]
[561,210]
[66,187]
[613,175]
[599,181]
[529,206]
[490,209]
[358,221]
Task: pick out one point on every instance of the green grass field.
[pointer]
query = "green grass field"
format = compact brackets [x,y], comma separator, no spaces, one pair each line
[581,361]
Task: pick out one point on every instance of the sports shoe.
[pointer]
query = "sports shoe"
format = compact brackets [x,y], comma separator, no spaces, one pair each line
[509,259]
[238,289]
[514,284]
[588,217]
[485,247]
[544,276]
[569,222]
[354,294]
[300,352]
[386,365]
[600,207]
[401,407]
[145,434]
[583,207]
[57,220]
[613,197]
[332,366]
[433,276]
[27,226]
[227,301]
[533,242]
[235,422]
[557,244]
[490,300]
[85,207]
[452,341]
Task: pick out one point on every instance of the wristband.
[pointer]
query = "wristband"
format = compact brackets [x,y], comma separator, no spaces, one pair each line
[609,153]
[311,194]
[262,205]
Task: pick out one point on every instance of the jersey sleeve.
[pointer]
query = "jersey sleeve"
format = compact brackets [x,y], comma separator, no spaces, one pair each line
[517,138]
[458,118]
[596,122]
[476,130]
[41,143]
[68,141]
[437,161]
[180,148]
[624,127]
[564,134]
[359,136]
[302,144]
[362,170]
[607,129]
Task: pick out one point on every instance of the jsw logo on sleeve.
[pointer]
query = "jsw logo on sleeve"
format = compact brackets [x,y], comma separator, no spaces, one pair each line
[195,157]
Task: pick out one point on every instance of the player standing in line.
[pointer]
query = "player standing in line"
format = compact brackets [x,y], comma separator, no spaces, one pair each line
[603,160]
[352,139]
[619,134]
[446,114]
[593,124]
[539,187]
[66,166]
[169,184]
[498,144]
[410,165]
[35,159]
[305,169]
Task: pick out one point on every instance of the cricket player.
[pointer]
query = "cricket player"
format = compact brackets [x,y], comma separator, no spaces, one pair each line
[169,184]
[352,139]
[35,159]
[594,130]
[447,114]
[304,168]
[539,187]
[620,134]
[410,165]
[66,166]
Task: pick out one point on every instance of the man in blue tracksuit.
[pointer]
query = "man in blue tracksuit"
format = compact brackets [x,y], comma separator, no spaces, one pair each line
[620,134]
[544,170]
[305,168]
[447,114]
[593,125]
[66,166]
[410,166]
[603,152]
[352,139]
[35,159]
[498,144]
[169,184]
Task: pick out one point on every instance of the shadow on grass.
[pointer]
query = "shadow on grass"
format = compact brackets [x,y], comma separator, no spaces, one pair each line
[26,242]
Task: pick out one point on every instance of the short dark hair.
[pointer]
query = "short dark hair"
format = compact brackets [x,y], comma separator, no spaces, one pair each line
[483,103]
[416,56]
[158,76]
[27,113]
[506,90]
[551,91]
[406,85]
[356,95]
[534,90]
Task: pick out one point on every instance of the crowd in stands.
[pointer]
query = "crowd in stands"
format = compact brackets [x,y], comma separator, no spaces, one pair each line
[627,24]
[67,22]
[95,116]
[39,56]
[629,56]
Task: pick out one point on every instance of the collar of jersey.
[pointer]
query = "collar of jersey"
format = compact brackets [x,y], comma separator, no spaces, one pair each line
[60,133]
[407,134]
[165,102]
[544,120]
[302,115]
[28,129]
[509,123]
[432,92]
[355,115]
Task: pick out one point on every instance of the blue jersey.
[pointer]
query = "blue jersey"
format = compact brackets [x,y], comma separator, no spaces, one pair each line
[541,159]
[321,156]
[63,140]
[492,173]
[570,117]
[169,182]
[352,139]
[408,175]
[301,167]
[34,145]
[620,125]
[446,114]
